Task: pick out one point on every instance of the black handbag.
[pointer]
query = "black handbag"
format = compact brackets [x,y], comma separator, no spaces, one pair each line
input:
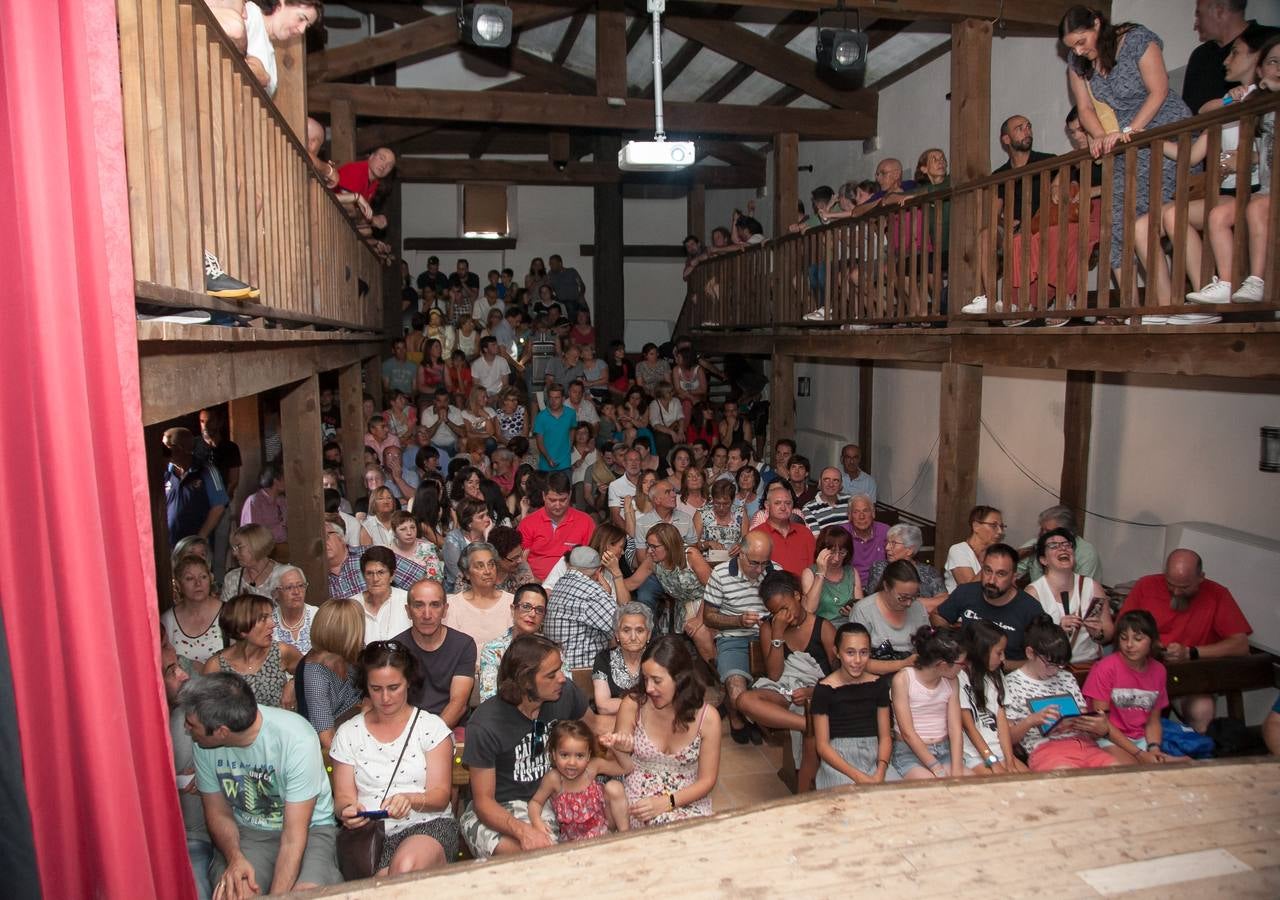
[360,849]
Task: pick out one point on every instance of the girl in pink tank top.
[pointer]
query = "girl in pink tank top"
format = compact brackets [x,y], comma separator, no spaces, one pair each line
[926,709]
[584,807]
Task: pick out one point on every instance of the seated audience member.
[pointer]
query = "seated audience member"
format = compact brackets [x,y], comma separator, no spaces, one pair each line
[664,509]
[749,494]
[262,31]
[735,433]
[747,232]
[446,658]
[996,598]
[265,664]
[852,733]
[892,615]
[624,485]
[721,523]
[363,178]
[479,610]
[506,749]
[581,612]
[191,625]
[321,681]
[928,738]
[267,507]
[666,418]
[868,535]
[683,573]
[732,607]
[346,578]
[903,541]
[550,532]
[383,603]
[267,802]
[988,746]
[830,506]
[442,422]
[292,615]
[1086,556]
[1072,745]
[406,544]
[378,436]
[585,804]
[1218,23]
[513,569]
[798,477]
[964,560]
[667,737]
[1196,617]
[694,492]
[413,786]
[377,529]
[799,650]
[489,370]
[528,609]
[793,543]
[199,847]
[853,479]
[616,670]
[1130,687]
[474,524]
[831,585]
[256,573]
[1077,603]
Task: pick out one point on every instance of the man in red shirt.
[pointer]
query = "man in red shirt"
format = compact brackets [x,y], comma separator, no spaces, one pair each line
[551,532]
[1196,617]
[362,178]
[793,542]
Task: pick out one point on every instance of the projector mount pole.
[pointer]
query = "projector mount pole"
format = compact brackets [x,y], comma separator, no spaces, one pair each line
[656,9]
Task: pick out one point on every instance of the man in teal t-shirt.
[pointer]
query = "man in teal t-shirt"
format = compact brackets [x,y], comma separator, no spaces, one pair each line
[553,432]
[267,801]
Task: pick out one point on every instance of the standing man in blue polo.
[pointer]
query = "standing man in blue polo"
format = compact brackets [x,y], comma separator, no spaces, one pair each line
[553,432]
[194,496]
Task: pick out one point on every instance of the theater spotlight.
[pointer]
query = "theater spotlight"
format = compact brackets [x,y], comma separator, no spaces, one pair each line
[484,24]
[843,49]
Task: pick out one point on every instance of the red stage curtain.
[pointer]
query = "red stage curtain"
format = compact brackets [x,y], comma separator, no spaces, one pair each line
[76,574]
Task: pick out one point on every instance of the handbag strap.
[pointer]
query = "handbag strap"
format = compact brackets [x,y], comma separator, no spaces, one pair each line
[394,771]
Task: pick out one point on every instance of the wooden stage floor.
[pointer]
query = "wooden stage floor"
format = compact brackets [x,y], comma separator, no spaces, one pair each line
[1198,830]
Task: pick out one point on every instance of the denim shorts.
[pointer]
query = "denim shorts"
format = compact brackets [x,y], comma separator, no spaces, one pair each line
[904,759]
[733,657]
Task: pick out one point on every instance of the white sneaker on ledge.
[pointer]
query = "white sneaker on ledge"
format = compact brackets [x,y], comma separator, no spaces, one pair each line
[977,306]
[1150,320]
[1194,319]
[1250,292]
[818,315]
[1216,291]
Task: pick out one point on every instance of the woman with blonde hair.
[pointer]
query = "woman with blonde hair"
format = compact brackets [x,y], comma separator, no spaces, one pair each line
[257,573]
[192,624]
[321,681]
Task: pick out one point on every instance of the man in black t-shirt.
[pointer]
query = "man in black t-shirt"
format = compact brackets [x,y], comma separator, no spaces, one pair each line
[996,598]
[446,656]
[506,748]
[464,278]
[1218,24]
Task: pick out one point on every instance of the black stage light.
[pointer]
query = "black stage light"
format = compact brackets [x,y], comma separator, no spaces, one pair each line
[842,50]
[485,24]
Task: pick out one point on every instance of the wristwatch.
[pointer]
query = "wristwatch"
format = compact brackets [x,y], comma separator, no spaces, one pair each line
[778,642]
[990,760]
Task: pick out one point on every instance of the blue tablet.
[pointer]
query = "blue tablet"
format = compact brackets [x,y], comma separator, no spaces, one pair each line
[1067,709]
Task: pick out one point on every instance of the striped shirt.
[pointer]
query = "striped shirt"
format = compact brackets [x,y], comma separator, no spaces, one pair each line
[818,514]
[731,594]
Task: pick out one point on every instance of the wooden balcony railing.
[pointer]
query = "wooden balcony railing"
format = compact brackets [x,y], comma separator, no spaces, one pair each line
[212,165]
[886,267]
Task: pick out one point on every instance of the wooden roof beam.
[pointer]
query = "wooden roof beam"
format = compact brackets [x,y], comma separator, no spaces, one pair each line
[428,36]
[450,171]
[567,111]
[1039,14]
[783,33]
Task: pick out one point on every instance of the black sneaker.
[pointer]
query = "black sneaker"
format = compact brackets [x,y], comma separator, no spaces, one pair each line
[218,283]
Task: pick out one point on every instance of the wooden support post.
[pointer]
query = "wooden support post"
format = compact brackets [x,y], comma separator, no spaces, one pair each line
[696,211]
[866,374]
[291,85]
[1077,428]
[303,458]
[244,426]
[608,303]
[786,181]
[342,131]
[372,386]
[970,152]
[350,404]
[782,399]
[959,429]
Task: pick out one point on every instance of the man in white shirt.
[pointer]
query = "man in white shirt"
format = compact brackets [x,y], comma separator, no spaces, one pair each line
[442,423]
[854,480]
[584,409]
[487,301]
[490,370]
[624,486]
[663,500]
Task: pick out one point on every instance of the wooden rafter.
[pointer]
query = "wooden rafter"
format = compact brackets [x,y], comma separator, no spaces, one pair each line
[636,30]
[570,37]
[450,171]
[783,33]
[1042,14]
[567,111]
[426,37]
[672,67]
[913,66]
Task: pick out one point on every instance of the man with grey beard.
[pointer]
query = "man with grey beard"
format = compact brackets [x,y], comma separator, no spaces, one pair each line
[1197,618]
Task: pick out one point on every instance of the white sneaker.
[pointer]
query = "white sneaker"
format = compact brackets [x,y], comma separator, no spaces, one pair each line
[1194,319]
[1150,320]
[1250,291]
[818,315]
[977,306]
[1216,291]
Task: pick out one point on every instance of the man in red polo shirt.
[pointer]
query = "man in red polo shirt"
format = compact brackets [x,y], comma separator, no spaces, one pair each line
[362,178]
[551,532]
[1197,618]
[793,542]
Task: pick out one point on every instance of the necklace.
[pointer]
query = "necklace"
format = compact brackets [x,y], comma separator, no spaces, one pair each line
[255,577]
[294,627]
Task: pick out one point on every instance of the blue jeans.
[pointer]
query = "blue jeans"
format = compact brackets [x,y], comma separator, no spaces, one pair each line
[648,593]
[201,855]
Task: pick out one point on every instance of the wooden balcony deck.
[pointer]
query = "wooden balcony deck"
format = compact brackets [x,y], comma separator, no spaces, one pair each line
[1188,830]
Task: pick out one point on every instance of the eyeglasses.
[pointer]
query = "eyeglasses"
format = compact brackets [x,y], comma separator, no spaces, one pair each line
[906,598]
[998,526]
[754,562]
[1057,545]
[294,587]
[651,547]
[528,608]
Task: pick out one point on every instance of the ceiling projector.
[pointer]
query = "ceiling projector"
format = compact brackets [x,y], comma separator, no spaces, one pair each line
[655,156]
